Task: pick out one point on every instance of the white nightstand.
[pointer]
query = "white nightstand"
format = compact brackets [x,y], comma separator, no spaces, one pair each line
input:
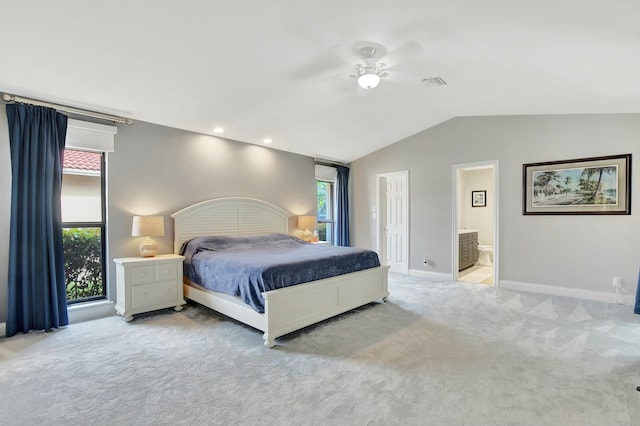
[148,283]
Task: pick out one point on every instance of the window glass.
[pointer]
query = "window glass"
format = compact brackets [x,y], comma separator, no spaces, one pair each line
[325,210]
[82,186]
[83,225]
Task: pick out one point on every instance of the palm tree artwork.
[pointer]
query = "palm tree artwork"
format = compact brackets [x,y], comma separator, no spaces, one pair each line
[599,171]
[544,183]
[581,186]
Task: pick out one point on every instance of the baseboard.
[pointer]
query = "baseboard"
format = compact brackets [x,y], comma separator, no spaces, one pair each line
[431,276]
[575,293]
[90,311]
[80,313]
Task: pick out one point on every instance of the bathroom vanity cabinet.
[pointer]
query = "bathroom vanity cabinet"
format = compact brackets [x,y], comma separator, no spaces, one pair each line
[467,249]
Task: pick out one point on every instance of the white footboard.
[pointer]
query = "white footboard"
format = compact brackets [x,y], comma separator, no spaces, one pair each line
[292,308]
[296,307]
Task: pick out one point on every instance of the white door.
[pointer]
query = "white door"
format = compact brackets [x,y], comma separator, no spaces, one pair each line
[394,221]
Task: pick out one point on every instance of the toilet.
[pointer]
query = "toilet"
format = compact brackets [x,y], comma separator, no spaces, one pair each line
[485,255]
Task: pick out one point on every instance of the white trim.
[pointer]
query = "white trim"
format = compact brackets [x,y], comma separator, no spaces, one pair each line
[90,310]
[431,276]
[81,172]
[575,293]
[3,329]
[495,164]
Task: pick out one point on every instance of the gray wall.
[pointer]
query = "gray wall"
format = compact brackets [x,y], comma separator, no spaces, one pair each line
[581,252]
[160,170]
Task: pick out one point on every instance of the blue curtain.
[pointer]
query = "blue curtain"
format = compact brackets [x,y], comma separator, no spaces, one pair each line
[342,219]
[37,293]
[636,308]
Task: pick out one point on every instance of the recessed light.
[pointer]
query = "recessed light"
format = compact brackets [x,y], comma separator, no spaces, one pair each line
[267,140]
[218,130]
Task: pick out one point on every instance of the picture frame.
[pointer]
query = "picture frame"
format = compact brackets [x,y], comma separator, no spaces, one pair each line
[584,186]
[478,198]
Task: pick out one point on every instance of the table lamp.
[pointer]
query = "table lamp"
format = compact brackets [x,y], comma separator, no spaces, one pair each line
[306,222]
[148,226]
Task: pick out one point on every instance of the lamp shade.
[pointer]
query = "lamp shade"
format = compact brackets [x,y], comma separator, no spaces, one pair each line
[148,226]
[306,222]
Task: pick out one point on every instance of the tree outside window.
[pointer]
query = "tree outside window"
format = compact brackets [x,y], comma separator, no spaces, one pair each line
[326,223]
[83,225]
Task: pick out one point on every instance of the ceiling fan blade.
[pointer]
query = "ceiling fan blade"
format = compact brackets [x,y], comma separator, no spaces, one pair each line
[326,63]
[404,52]
[427,31]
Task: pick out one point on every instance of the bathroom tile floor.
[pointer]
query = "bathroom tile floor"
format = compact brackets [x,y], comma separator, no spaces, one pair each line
[477,274]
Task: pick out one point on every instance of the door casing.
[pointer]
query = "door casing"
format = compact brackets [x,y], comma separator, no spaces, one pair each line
[496,216]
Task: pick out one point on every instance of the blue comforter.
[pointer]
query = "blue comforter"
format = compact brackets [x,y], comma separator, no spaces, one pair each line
[248,266]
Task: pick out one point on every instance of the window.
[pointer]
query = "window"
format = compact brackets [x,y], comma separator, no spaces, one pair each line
[83,225]
[325,183]
[326,222]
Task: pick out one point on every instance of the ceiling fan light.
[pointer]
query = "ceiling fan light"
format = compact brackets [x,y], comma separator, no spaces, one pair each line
[368,81]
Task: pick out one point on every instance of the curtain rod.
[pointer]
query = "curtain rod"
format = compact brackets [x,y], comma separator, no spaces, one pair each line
[329,163]
[13,98]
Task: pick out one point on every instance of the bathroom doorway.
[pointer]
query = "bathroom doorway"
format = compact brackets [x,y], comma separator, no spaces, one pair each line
[475,223]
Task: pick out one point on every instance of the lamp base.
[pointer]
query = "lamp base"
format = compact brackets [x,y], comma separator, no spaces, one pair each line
[307,235]
[148,247]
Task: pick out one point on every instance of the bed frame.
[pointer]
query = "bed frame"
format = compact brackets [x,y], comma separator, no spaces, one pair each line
[286,309]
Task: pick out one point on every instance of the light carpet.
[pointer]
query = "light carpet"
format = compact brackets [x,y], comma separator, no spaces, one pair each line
[435,354]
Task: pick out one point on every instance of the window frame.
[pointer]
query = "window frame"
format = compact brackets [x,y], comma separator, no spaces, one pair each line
[102,225]
[331,209]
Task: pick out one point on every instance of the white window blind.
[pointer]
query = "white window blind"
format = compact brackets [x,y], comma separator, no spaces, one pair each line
[326,173]
[87,136]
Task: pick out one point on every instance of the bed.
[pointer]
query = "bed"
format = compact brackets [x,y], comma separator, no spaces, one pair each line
[285,309]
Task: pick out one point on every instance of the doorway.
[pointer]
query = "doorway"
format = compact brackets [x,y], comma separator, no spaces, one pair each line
[392,222]
[475,222]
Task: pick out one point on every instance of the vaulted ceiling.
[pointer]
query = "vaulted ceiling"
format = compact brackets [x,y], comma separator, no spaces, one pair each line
[280,69]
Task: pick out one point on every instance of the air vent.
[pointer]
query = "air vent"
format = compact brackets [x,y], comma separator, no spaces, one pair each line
[434,81]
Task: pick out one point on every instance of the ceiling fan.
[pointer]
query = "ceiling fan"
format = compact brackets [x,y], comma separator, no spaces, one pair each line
[371,72]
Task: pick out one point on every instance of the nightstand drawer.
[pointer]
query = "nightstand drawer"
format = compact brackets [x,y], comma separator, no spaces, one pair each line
[167,271]
[153,294]
[149,274]
[143,274]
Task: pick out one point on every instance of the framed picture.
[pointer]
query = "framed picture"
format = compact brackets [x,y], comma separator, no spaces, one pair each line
[598,185]
[478,198]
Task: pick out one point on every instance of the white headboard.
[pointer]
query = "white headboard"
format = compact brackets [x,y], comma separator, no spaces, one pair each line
[231,216]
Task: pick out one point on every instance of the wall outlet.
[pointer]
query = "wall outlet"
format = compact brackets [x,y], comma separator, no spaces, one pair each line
[425,262]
